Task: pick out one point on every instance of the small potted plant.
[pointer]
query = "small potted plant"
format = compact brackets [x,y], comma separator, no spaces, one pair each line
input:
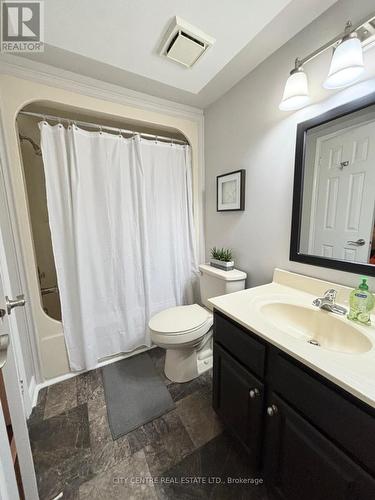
[222,258]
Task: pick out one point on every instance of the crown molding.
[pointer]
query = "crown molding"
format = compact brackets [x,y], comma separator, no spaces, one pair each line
[48,75]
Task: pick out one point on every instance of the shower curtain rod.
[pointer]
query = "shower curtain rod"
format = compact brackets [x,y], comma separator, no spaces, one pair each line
[102,127]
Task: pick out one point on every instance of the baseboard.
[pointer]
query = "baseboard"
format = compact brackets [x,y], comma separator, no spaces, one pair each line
[67,376]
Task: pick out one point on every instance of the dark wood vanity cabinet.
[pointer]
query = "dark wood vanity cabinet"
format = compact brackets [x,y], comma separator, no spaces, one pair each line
[239,400]
[310,439]
[301,462]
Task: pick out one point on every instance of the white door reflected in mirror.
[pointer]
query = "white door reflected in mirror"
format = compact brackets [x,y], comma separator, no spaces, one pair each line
[339,189]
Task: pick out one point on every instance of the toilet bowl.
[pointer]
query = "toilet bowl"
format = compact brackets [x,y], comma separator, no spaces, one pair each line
[185,332]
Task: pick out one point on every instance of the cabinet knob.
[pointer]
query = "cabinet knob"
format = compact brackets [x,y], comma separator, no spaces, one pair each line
[272,410]
[254,393]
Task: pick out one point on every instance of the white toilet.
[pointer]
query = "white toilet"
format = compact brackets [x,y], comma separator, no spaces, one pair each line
[186,331]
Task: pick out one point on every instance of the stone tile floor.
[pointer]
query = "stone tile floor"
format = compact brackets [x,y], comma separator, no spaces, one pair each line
[182,455]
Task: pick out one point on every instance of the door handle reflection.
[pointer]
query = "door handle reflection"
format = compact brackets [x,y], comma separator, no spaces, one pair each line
[358,243]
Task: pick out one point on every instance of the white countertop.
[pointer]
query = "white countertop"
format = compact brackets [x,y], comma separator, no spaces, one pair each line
[353,372]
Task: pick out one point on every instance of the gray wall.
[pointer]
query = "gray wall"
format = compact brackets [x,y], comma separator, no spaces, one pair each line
[245,129]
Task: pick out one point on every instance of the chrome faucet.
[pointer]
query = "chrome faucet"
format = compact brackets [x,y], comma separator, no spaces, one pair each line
[328,302]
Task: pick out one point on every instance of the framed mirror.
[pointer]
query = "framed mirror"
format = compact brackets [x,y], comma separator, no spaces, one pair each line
[333,219]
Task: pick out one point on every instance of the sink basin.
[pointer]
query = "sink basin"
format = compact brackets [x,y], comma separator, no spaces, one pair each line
[319,328]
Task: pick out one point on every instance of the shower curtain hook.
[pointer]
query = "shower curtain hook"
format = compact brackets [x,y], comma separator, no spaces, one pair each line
[156,139]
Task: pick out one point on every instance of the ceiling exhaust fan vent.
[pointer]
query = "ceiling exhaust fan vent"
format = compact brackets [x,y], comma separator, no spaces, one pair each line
[184,43]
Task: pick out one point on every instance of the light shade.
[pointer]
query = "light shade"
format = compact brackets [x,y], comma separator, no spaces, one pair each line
[296,92]
[346,64]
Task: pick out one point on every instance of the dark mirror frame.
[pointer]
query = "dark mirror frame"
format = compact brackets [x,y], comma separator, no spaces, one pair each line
[299,168]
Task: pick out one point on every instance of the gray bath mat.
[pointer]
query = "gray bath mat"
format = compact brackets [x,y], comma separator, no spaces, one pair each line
[135,394]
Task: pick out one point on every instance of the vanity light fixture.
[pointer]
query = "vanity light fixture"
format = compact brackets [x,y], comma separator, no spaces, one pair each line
[346,64]
[296,92]
[345,69]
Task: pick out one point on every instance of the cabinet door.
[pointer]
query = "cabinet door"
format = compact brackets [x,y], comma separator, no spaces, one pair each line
[238,400]
[300,462]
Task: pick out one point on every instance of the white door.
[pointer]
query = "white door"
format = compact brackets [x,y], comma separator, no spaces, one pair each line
[343,212]
[8,485]
[13,328]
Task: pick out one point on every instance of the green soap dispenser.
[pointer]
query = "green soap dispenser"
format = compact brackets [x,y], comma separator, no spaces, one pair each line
[361,303]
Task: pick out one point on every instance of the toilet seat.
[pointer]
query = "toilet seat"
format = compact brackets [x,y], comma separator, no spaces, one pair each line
[180,319]
[181,324]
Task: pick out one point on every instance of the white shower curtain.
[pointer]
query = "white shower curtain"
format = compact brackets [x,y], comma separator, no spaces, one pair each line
[120,213]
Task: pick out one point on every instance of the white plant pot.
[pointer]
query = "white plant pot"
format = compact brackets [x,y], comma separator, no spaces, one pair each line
[220,264]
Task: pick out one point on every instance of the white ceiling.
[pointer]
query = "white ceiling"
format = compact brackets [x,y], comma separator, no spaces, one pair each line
[127,34]
[118,41]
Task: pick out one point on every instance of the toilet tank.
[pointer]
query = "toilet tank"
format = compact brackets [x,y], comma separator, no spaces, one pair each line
[214,282]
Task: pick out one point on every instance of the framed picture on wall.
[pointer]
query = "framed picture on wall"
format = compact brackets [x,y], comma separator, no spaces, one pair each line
[230,191]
